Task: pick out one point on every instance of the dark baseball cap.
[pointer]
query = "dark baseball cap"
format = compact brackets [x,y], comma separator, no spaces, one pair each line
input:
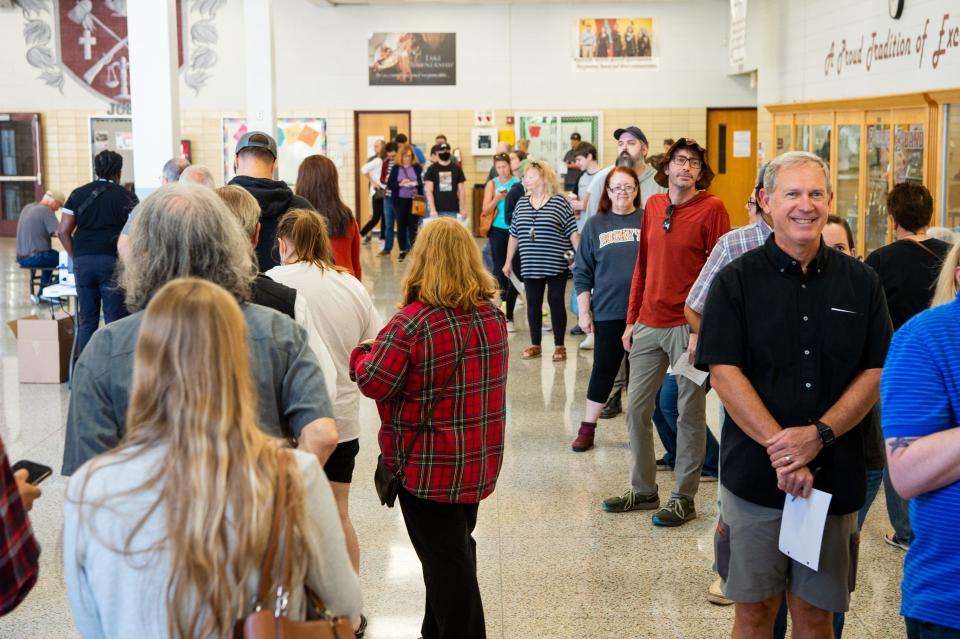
[443,146]
[257,140]
[632,130]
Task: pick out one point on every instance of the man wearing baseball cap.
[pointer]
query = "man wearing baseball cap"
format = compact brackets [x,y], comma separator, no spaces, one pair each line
[678,232]
[254,164]
[632,149]
[444,185]
[34,227]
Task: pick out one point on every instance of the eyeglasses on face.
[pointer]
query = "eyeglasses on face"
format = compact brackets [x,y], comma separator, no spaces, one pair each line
[682,160]
[751,203]
[668,223]
[623,188]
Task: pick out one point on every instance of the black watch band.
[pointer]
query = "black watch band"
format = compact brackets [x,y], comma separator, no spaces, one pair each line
[826,433]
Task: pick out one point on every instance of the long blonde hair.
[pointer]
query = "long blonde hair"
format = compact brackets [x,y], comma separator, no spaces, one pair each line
[193,393]
[946,290]
[551,183]
[446,269]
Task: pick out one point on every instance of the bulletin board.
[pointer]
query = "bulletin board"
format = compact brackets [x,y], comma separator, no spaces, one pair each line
[549,134]
[114,134]
[297,138]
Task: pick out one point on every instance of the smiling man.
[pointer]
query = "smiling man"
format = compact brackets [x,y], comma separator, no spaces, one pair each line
[679,229]
[794,335]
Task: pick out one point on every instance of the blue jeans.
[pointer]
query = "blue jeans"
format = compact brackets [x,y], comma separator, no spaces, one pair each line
[898,510]
[388,224]
[96,285]
[665,418]
[917,629]
[45,260]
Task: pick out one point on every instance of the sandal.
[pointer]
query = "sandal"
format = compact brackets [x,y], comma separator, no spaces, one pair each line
[531,352]
[560,353]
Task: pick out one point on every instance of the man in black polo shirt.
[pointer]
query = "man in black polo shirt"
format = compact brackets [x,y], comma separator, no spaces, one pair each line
[794,335]
[97,212]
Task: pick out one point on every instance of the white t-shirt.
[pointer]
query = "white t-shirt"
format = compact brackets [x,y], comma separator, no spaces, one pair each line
[372,170]
[343,314]
[303,317]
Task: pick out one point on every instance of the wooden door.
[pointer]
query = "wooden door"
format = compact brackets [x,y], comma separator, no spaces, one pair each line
[731,153]
[368,126]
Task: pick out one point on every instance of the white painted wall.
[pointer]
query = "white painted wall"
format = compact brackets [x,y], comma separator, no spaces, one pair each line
[798,36]
[514,56]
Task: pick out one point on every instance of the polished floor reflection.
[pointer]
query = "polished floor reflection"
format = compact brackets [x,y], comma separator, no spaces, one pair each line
[551,563]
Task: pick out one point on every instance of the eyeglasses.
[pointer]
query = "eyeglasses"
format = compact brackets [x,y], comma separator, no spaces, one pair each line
[682,160]
[751,203]
[627,188]
[668,223]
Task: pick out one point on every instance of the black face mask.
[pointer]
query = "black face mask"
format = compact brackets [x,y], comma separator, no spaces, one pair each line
[443,156]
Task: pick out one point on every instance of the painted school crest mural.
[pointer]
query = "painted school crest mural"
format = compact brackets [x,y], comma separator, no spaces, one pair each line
[87,40]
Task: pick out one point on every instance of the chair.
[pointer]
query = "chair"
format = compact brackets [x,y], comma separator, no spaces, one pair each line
[34,284]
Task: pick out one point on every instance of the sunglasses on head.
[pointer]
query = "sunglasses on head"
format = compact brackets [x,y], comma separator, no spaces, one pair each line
[501,157]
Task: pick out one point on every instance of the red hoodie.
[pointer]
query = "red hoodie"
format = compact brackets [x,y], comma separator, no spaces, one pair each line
[669,262]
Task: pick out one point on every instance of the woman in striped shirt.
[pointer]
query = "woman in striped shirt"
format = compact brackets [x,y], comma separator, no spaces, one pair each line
[544,231]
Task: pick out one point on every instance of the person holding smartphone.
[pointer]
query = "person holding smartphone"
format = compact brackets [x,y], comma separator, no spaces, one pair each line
[19,550]
[494,198]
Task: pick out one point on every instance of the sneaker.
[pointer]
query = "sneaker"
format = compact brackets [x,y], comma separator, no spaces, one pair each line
[576,330]
[663,465]
[383,254]
[403,255]
[584,440]
[896,542]
[707,479]
[612,408]
[587,344]
[715,594]
[367,239]
[510,327]
[677,512]
[631,501]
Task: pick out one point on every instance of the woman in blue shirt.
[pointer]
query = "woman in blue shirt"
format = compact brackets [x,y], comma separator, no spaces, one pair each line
[494,197]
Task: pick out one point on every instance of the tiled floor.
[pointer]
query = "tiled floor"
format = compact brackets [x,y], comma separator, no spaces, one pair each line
[551,563]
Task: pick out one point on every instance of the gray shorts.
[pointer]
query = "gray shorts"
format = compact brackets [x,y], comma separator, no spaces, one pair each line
[756,570]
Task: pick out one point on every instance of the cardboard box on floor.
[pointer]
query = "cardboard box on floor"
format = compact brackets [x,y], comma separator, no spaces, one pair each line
[43,347]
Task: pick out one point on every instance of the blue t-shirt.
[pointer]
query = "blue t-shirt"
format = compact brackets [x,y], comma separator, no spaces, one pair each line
[920,393]
[501,220]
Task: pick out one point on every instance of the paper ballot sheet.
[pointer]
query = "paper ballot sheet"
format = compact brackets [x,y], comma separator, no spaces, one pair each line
[683,367]
[801,529]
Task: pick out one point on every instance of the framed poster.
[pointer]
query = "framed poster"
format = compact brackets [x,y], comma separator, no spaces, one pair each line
[615,43]
[483,141]
[412,59]
[296,139]
[116,134]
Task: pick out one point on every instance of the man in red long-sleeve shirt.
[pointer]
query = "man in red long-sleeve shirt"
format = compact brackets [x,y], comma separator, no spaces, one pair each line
[679,229]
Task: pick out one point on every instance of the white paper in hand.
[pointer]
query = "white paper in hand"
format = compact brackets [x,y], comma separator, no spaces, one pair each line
[801,529]
[683,367]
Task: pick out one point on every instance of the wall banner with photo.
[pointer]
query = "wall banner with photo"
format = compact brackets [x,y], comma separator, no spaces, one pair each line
[412,59]
[297,138]
[615,43]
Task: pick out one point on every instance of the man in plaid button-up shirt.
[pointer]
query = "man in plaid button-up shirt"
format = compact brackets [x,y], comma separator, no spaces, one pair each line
[19,551]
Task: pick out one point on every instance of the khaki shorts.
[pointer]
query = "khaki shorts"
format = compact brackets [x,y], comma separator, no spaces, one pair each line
[749,558]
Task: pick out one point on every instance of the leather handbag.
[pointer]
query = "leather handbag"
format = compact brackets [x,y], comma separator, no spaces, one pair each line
[386,481]
[419,206]
[274,624]
[486,222]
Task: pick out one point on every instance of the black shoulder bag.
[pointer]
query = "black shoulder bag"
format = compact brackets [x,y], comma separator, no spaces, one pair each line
[386,482]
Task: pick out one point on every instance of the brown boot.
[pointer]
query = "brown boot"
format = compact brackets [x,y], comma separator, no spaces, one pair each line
[584,440]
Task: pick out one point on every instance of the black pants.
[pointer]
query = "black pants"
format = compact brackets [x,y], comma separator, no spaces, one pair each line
[556,287]
[608,354]
[377,204]
[401,212]
[498,239]
[441,534]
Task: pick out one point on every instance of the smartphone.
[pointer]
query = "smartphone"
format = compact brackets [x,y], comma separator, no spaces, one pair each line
[36,473]
[501,190]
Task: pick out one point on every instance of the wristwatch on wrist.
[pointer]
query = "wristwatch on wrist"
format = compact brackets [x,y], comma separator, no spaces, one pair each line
[826,433]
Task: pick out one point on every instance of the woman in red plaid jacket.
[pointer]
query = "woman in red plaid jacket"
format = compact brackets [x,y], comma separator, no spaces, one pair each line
[447,329]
